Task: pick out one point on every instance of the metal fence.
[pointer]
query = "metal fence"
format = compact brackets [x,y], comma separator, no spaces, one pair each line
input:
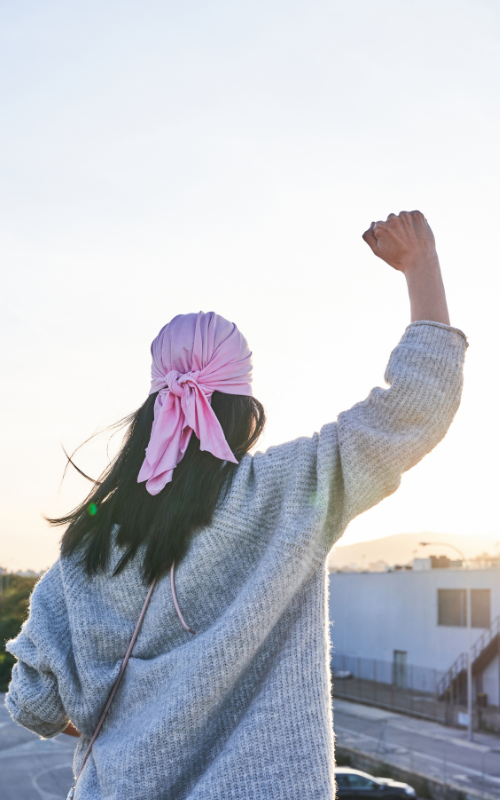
[389,684]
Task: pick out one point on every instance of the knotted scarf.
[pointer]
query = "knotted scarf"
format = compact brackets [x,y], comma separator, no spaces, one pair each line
[193,356]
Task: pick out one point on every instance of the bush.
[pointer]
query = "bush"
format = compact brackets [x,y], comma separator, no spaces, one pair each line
[6,663]
[15,592]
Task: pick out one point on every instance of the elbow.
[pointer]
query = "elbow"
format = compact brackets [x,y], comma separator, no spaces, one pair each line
[39,711]
[26,716]
[429,416]
[440,416]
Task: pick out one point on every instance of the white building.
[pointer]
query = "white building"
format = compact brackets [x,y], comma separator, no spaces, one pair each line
[417,617]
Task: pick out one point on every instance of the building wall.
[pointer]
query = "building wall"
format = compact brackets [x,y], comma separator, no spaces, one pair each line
[490,682]
[375,613]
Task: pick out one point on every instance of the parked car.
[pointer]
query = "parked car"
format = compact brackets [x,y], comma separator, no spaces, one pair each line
[353,785]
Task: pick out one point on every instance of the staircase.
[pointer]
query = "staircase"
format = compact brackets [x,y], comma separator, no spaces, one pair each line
[453,684]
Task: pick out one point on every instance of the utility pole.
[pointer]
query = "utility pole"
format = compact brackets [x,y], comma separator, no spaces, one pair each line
[468,613]
[469,655]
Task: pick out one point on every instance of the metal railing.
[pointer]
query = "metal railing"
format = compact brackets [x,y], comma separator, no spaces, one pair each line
[460,663]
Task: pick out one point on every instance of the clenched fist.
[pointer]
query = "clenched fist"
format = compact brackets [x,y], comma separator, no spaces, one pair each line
[404,241]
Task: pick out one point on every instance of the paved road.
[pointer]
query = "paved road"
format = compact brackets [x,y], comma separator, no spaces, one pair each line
[35,769]
[426,747]
[32,768]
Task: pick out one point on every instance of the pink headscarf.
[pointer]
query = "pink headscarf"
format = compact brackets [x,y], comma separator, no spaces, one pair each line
[193,356]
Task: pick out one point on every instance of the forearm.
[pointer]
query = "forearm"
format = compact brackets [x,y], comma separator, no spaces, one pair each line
[426,292]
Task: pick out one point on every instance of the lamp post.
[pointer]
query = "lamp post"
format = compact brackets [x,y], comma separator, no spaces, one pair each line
[468,606]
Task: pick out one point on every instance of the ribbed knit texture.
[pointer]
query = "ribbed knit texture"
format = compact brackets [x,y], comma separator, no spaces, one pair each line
[242,710]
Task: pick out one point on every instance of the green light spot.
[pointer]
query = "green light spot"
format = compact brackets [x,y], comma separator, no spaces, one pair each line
[318,499]
[92,509]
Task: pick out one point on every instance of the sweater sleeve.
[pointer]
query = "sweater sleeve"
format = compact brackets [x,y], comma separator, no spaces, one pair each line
[41,648]
[315,487]
[393,429]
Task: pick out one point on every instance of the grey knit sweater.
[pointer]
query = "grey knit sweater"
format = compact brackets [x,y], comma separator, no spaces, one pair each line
[242,710]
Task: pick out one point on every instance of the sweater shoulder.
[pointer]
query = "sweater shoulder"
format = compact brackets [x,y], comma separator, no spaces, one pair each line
[267,471]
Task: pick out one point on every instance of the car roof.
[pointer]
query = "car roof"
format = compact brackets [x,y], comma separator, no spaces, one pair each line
[351,771]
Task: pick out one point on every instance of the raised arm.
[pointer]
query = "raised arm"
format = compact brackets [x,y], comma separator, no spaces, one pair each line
[406,242]
[386,434]
[353,463]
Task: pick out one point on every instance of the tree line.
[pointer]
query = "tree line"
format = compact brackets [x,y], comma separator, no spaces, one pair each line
[15,592]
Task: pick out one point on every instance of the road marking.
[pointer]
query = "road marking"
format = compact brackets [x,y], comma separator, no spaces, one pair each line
[395,725]
[362,712]
[481,748]
[49,795]
[419,754]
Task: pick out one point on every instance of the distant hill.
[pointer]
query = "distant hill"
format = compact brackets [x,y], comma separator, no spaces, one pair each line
[404,547]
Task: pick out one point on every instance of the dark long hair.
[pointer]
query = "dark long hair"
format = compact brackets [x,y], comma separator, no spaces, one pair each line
[162,522]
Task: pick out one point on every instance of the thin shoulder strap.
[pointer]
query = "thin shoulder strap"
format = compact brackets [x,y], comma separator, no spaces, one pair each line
[176,604]
[115,686]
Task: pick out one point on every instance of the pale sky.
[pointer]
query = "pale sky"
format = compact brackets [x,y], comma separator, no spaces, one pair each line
[162,157]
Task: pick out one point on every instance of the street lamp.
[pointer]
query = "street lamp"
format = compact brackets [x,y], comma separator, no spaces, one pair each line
[468,614]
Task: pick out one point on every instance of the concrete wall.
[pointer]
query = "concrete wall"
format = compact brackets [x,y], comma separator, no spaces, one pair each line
[375,613]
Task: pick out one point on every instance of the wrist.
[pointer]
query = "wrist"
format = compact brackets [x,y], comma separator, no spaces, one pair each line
[420,265]
[426,291]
